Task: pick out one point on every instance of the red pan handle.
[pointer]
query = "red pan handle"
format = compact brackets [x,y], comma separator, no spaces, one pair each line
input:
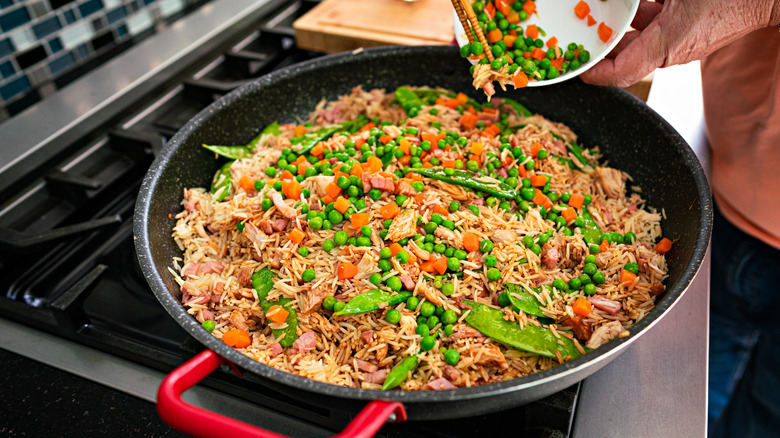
[200,422]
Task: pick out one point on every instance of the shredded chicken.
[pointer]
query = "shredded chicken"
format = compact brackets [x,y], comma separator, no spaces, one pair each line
[604,334]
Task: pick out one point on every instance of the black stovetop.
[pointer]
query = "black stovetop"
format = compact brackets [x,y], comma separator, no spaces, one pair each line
[67,258]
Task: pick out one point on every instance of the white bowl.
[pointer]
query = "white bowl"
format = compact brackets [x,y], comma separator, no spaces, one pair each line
[557,18]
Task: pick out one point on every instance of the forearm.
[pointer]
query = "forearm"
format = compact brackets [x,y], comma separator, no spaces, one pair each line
[774,16]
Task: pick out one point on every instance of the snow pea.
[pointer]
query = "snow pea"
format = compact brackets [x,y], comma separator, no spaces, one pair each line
[467,179]
[307,141]
[424,93]
[400,372]
[407,98]
[222,183]
[370,301]
[238,152]
[531,338]
[263,282]
[517,106]
[590,232]
[523,300]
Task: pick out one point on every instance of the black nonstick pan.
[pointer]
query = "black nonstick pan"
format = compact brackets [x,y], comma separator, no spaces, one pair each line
[631,135]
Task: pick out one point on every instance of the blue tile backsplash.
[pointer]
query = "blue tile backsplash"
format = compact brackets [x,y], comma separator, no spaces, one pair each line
[42,41]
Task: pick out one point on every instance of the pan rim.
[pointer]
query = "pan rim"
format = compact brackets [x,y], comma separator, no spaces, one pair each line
[601,356]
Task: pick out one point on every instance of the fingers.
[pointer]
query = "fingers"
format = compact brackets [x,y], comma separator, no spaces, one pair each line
[645,14]
[623,43]
[643,54]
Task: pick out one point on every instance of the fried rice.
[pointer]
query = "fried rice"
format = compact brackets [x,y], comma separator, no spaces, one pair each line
[224,242]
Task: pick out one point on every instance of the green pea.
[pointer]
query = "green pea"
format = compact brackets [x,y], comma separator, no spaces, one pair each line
[412,303]
[632,268]
[394,283]
[454,206]
[427,343]
[449,329]
[328,245]
[430,227]
[452,356]
[477,49]
[493,274]
[536,249]
[328,303]
[453,264]
[629,238]
[448,289]
[209,325]
[590,269]
[461,254]
[427,309]
[528,241]
[422,328]
[315,223]
[474,209]
[338,306]
[266,204]
[448,224]
[449,317]
[303,251]
[583,56]
[374,194]
[393,316]
[400,200]
[584,279]
[270,171]
[598,278]
[340,238]
[486,246]
[385,265]
[308,275]
[527,193]
[327,225]
[449,252]
[363,241]
[335,217]
[590,258]
[589,289]
[402,257]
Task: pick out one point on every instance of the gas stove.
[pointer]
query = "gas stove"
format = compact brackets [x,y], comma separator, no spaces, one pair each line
[73,295]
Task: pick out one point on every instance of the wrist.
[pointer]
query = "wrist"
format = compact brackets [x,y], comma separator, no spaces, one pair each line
[774,15]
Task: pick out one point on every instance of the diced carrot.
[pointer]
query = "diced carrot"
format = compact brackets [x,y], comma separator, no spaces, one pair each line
[605,32]
[389,211]
[286,175]
[576,201]
[385,139]
[569,214]
[529,7]
[535,149]
[428,136]
[471,242]
[507,160]
[357,170]
[471,110]
[581,10]
[552,42]
[405,146]
[427,165]
[440,265]
[246,183]
[538,180]
[532,31]
[405,160]
[581,307]
[327,199]
[338,174]
[374,164]
[493,130]
[428,265]
[537,53]
[462,98]
[494,36]
[509,40]
[441,210]
[557,63]
[523,171]
[299,160]
[318,150]
[367,127]
[412,259]
[490,10]
[591,20]
[395,248]
[297,235]
[663,246]
[300,130]
[332,190]
[359,141]
[502,6]
[604,246]
[541,199]
[277,314]
[469,121]
[519,79]
[294,190]
[302,168]
[512,17]
[236,338]
[419,199]
[450,103]
[346,271]
[341,204]
[448,163]
[627,277]
[477,148]
[358,220]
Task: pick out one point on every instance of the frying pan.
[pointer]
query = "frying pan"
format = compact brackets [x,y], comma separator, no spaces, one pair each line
[631,135]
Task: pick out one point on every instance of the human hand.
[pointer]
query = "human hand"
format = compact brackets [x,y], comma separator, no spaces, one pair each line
[671,32]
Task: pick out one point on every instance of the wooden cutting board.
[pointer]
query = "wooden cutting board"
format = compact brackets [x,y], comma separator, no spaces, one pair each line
[340,25]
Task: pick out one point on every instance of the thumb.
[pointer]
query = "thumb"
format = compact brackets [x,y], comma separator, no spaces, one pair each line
[639,57]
